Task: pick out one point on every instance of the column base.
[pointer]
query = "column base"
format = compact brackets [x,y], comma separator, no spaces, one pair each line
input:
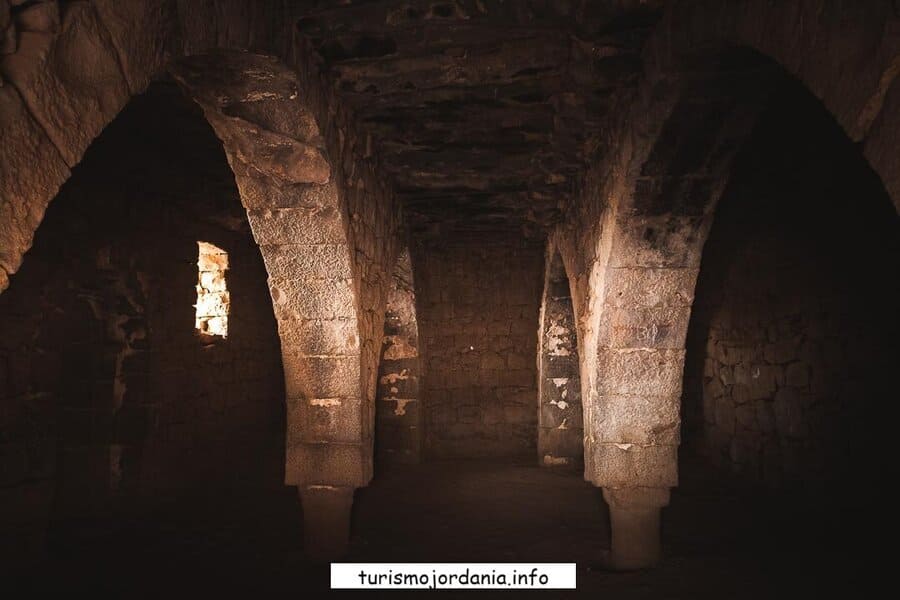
[326,521]
[634,516]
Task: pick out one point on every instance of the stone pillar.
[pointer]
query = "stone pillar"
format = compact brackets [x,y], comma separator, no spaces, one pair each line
[297,217]
[326,521]
[635,421]
[634,520]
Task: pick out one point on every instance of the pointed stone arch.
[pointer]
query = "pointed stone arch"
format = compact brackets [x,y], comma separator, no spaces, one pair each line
[315,220]
[560,414]
[398,414]
[299,219]
[645,209]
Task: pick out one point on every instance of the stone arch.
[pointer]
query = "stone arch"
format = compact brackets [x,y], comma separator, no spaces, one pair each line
[298,217]
[70,78]
[856,80]
[69,68]
[643,216]
[98,322]
[662,200]
[787,346]
[398,413]
[560,414]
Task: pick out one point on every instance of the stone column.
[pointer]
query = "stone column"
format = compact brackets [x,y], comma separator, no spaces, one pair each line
[634,520]
[297,216]
[326,521]
[635,417]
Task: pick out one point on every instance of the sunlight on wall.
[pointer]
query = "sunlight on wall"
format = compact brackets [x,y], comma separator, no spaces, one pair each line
[212,294]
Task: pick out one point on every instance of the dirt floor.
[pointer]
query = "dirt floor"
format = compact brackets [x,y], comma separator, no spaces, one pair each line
[720,541]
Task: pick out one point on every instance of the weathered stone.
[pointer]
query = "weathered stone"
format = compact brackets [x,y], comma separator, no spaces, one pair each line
[142,32]
[24,192]
[640,372]
[298,299]
[320,420]
[631,465]
[296,260]
[656,242]
[328,464]
[648,288]
[319,336]
[642,421]
[662,327]
[321,377]
[71,82]
[296,226]
[42,17]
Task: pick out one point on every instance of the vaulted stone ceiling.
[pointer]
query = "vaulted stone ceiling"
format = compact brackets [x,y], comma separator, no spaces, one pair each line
[480,110]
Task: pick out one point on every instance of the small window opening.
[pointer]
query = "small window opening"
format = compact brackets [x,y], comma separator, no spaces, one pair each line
[212,294]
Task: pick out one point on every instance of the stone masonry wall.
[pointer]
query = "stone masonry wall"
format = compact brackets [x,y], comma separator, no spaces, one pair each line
[478,313]
[109,394]
[327,227]
[398,416]
[792,329]
[373,216]
[561,423]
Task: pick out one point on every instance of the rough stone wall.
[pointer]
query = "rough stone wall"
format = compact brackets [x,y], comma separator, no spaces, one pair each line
[72,66]
[791,334]
[560,416]
[372,213]
[328,230]
[68,68]
[108,392]
[633,235]
[478,300]
[398,416]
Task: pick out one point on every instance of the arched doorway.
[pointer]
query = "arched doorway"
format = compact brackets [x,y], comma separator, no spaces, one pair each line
[790,342]
[113,399]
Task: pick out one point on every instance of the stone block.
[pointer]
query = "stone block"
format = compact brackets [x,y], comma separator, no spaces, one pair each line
[648,288]
[319,336]
[328,464]
[311,299]
[640,372]
[295,261]
[631,465]
[297,226]
[636,420]
[657,327]
[321,376]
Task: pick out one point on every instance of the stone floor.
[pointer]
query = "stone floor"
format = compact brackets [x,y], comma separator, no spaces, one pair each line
[720,542]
